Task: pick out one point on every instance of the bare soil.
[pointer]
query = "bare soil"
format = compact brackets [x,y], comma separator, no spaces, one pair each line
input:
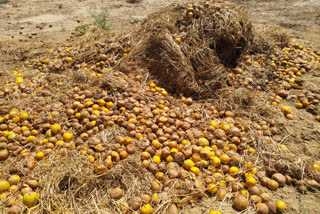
[299,18]
[58,18]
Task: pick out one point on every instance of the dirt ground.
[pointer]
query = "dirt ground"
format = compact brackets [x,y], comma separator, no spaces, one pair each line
[44,24]
[58,18]
[300,18]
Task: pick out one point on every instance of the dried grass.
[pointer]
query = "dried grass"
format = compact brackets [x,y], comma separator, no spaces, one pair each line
[68,182]
[275,35]
[112,81]
[211,43]
[74,187]
[291,163]
[245,102]
[14,52]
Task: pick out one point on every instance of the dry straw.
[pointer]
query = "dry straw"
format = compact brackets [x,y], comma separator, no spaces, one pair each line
[212,43]
[69,184]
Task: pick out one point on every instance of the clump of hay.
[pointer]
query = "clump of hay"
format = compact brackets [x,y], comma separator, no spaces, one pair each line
[113,81]
[212,41]
[275,35]
[243,101]
[74,187]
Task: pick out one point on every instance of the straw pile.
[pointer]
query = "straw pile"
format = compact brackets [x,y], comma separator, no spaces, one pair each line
[77,188]
[66,187]
[212,42]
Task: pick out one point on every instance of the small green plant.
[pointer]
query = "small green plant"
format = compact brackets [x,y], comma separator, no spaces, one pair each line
[136,21]
[80,30]
[100,18]
[4,1]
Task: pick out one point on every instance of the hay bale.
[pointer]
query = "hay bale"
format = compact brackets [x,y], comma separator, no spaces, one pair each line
[212,42]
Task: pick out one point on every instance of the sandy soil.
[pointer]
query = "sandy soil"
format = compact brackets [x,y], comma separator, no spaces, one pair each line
[58,18]
[55,19]
[52,22]
[299,18]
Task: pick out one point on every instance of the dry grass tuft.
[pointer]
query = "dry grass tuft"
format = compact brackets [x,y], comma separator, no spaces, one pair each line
[275,35]
[113,81]
[68,183]
[80,76]
[244,102]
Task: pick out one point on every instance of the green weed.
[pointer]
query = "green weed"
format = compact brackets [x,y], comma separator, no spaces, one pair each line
[4,1]
[80,30]
[100,18]
[136,21]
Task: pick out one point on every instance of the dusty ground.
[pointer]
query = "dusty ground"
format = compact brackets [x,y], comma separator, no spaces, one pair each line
[299,18]
[53,21]
[58,18]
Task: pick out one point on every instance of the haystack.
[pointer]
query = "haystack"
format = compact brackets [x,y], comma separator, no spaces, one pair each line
[212,42]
